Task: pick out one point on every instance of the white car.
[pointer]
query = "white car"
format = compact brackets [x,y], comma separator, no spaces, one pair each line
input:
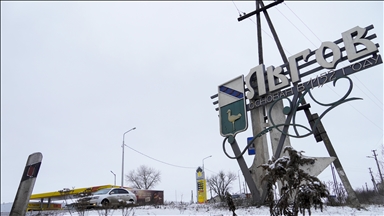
[112,197]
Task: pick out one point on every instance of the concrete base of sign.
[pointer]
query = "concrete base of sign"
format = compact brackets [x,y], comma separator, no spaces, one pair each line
[319,166]
[261,145]
[261,148]
[278,117]
[313,169]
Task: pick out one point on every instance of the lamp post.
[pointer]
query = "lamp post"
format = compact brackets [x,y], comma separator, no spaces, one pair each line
[204,159]
[122,160]
[115,178]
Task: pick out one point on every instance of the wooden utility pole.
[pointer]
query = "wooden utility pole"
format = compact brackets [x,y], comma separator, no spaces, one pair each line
[258,115]
[378,166]
[373,180]
[335,186]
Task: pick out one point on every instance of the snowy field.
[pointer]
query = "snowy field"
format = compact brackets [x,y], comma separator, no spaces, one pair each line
[195,209]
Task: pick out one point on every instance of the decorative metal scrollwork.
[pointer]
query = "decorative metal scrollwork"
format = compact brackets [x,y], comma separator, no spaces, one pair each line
[292,109]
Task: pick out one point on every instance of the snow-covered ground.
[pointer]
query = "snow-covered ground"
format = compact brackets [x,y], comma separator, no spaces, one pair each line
[196,209]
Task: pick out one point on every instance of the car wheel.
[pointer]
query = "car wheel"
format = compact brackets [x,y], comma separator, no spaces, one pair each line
[105,203]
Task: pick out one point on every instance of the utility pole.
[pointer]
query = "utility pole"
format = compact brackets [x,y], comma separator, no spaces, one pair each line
[373,180]
[239,181]
[335,187]
[366,186]
[191,196]
[378,166]
[258,114]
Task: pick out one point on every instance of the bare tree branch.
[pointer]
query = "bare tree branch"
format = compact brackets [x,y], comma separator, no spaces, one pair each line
[220,183]
[144,177]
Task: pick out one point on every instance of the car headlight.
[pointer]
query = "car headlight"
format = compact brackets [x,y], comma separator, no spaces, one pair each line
[95,197]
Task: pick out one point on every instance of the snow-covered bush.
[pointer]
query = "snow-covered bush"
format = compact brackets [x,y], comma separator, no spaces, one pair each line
[300,191]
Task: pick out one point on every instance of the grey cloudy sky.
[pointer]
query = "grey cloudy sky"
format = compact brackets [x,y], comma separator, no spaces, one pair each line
[76,75]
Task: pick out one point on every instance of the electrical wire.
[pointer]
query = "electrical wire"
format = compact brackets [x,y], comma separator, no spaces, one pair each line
[210,170]
[160,160]
[237,8]
[166,162]
[381,103]
[302,22]
[269,35]
[313,44]
[355,108]
[380,145]
[265,32]
[321,41]
[342,63]
[296,27]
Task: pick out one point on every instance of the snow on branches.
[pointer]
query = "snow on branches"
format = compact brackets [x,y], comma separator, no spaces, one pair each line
[299,191]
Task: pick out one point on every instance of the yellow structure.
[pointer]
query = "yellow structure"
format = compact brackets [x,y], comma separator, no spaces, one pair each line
[201,192]
[64,194]
[201,184]
[37,206]
[67,193]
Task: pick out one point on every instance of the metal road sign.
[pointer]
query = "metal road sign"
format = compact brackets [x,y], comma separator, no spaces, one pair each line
[232,108]
[251,149]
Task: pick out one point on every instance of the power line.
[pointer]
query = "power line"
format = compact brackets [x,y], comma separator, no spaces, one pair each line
[210,170]
[160,160]
[321,41]
[269,35]
[342,63]
[237,8]
[242,12]
[302,22]
[356,109]
[296,28]
[379,143]
[166,162]
[381,103]
[314,44]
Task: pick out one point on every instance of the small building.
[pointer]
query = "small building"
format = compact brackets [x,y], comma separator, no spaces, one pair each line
[149,197]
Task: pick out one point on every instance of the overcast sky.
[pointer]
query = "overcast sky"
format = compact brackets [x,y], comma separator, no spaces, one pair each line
[76,75]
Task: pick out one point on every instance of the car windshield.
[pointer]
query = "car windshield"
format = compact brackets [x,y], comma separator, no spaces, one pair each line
[102,191]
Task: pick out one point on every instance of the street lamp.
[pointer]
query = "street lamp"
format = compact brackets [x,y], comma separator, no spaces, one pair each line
[204,159]
[115,178]
[122,160]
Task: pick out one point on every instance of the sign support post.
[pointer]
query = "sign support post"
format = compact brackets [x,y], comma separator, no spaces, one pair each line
[339,168]
[258,115]
[244,169]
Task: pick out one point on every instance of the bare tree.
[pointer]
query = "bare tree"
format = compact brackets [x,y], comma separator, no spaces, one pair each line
[220,183]
[144,177]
